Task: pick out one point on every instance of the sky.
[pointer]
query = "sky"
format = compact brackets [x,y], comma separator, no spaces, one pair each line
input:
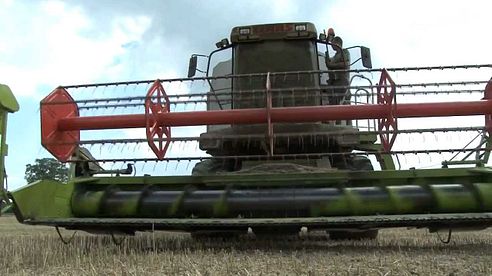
[50,43]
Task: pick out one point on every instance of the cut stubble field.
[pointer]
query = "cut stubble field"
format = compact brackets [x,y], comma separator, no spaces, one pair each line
[35,250]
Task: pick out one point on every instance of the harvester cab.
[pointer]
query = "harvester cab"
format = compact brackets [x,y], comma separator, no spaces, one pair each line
[8,104]
[261,51]
[276,138]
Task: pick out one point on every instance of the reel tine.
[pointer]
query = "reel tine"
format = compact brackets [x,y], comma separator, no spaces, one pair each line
[290,97]
[288,143]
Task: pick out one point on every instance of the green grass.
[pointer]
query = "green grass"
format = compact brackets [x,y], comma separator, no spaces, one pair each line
[34,250]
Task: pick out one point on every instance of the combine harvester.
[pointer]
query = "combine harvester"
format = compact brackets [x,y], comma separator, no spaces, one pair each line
[284,146]
[8,104]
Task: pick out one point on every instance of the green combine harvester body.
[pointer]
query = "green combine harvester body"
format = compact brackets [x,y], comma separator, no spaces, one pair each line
[284,150]
[437,198]
[8,104]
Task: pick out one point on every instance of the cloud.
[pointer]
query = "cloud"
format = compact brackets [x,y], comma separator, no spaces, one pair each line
[413,33]
[55,47]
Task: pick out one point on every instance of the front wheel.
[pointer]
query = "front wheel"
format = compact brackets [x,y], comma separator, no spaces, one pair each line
[361,163]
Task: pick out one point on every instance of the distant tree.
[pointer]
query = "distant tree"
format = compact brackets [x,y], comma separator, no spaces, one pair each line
[46,168]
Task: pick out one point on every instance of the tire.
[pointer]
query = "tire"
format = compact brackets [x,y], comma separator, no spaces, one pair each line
[213,167]
[361,163]
[207,167]
[353,235]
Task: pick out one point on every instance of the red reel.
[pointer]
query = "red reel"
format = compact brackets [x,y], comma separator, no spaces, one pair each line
[158,135]
[57,105]
[488,117]
[388,126]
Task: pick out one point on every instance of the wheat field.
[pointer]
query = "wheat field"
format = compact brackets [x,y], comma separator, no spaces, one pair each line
[36,250]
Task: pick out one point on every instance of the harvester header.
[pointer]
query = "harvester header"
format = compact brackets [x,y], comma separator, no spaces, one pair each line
[294,130]
[61,123]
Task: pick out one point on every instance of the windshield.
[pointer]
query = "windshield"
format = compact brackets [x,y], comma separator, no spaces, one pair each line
[275,56]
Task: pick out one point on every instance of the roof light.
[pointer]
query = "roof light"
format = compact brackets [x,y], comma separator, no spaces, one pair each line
[244,31]
[300,28]
[223,43]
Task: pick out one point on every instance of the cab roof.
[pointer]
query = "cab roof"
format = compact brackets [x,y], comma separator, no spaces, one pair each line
[276,31]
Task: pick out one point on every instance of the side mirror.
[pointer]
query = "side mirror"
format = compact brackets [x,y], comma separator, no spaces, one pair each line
[192,66]
[365,54]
